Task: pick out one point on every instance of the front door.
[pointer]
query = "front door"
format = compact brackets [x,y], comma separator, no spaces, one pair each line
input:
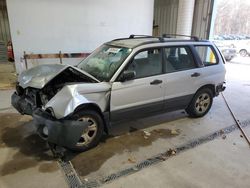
[144,94]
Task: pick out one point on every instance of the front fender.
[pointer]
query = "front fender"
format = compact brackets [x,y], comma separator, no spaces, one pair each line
[69,98]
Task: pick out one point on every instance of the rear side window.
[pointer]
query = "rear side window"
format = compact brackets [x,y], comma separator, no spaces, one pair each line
[207,55]
[178,59]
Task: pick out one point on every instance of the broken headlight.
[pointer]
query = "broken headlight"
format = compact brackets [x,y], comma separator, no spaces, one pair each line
[19,89]
[44,99]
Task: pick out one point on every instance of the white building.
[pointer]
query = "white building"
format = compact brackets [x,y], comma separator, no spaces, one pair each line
[80,26]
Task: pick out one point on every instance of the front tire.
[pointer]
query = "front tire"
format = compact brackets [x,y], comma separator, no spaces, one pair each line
[201,103]
[92,136]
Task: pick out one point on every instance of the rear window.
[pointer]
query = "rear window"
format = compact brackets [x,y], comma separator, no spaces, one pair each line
[207,55]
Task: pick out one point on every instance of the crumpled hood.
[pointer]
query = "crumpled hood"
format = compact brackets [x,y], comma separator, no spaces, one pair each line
[40,75]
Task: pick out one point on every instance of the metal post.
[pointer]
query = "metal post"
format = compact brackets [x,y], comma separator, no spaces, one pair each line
[60,56]
[25,60]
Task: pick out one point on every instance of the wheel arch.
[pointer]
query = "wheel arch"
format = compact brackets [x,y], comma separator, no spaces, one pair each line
[190,109]
[209,86]
[94,107]
[243,49]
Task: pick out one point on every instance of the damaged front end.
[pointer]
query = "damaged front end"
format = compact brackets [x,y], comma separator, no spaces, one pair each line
[51,93]
[24,100]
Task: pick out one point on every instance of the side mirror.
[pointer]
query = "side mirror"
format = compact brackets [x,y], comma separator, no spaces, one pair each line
[127,75]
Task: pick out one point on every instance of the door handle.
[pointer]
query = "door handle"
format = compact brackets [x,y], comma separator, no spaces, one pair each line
[155,82]
[196,74]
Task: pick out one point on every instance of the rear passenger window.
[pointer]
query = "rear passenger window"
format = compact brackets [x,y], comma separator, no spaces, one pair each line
[207,55]
[147,63]
[178,58]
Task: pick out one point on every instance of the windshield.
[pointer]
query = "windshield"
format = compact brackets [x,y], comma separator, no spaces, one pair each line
[104,61]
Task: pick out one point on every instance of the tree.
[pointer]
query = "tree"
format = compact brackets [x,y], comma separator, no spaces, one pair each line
[233,17]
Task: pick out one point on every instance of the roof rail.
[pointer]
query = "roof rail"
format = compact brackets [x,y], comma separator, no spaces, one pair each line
[169,36]
[144,36]
[133,36]
[161,39]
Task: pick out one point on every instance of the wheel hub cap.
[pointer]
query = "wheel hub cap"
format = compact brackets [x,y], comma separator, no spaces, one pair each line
[89,134]
[202,103]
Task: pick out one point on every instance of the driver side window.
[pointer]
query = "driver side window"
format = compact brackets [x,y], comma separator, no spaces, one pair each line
[147,63]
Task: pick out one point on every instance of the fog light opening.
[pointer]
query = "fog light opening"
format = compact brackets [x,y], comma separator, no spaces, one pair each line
[45,131]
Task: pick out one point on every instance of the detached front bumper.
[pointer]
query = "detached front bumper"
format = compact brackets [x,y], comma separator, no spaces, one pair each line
[65,133]
[62,132]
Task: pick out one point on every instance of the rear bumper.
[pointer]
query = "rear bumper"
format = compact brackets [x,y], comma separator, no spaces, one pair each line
[65,133]
[220,88]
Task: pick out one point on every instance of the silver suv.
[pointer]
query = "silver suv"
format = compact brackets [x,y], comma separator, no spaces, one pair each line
[122,79]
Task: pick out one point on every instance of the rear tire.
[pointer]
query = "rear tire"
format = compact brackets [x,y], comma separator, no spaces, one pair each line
[243,53]
[201,103]
[92,136]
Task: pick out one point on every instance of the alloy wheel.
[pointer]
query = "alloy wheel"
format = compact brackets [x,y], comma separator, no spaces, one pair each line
[202,103]
[89,134]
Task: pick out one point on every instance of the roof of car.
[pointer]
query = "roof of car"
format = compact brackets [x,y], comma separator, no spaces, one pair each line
[133,41]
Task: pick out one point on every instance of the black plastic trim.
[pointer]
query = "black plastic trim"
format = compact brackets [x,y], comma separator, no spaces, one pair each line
[137,111]
[106,118]
[151,108]
[177,103]
[196,56]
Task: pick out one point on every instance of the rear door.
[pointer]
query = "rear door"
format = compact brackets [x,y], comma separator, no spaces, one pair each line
[182,76]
